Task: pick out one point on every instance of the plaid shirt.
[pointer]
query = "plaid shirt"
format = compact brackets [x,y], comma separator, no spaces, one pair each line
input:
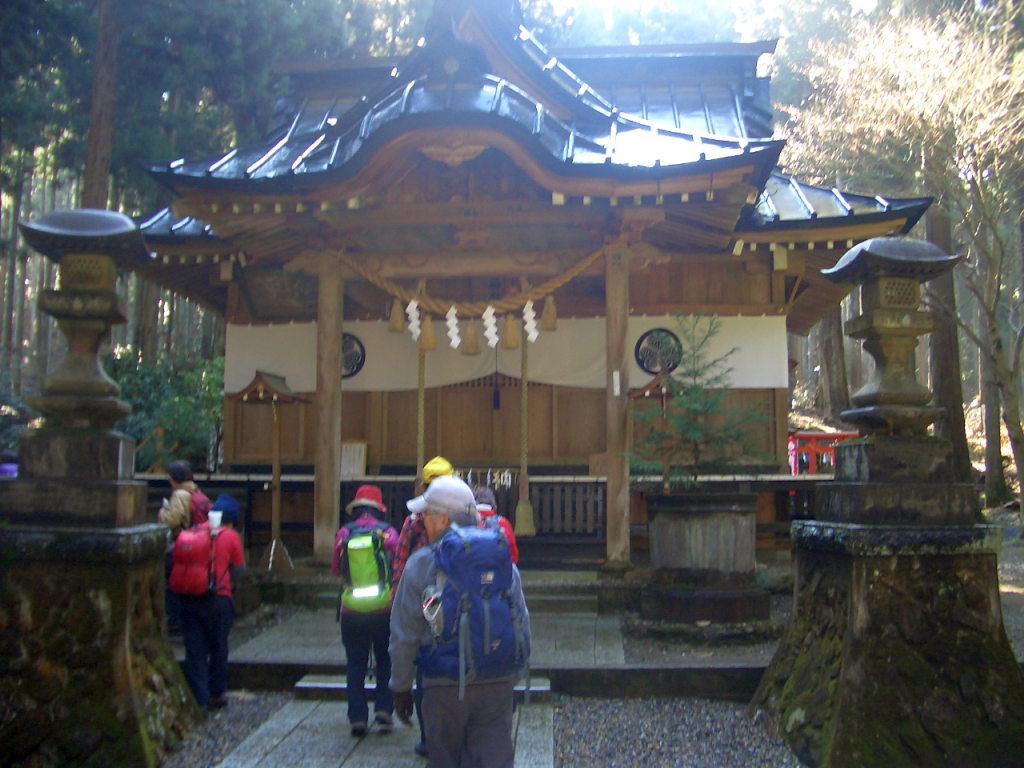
[412,537]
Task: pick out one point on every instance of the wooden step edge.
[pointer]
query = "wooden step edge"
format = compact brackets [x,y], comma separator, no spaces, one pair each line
[334,688]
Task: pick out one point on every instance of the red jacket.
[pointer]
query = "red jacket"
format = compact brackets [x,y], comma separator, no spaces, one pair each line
[506,528]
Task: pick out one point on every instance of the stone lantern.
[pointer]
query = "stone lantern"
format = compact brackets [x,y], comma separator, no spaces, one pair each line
[895,653]
[86,673]
[890,272]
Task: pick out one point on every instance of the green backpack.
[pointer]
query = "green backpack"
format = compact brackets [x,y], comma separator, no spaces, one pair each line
[365,570]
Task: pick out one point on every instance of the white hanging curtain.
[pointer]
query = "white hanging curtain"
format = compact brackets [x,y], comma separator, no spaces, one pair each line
[572,356]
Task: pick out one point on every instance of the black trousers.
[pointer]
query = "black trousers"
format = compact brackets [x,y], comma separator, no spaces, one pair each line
[360,632]
[205,623]
[172,602]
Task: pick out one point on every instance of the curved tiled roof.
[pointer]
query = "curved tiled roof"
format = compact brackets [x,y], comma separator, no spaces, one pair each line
[610,143]
[165,227]
[482,76]
[477,69]
[787,204]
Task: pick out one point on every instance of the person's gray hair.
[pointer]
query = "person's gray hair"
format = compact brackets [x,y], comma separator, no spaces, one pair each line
[464,518]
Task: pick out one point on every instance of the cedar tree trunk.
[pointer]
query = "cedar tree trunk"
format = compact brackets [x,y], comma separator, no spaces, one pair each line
[996,490]
[148,323]
[1011,400]
[101,115]
[945,349]
[833,363]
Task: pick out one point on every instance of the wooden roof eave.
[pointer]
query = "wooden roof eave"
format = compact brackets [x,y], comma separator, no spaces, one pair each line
[190,247]
[822,243]
[192,281]
[813,304]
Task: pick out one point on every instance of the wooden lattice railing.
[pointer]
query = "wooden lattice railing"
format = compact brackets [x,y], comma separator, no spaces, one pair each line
[563,505]
[574,506]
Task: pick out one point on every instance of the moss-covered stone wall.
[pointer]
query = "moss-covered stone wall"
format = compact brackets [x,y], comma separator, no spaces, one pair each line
[86,675]
[896,660]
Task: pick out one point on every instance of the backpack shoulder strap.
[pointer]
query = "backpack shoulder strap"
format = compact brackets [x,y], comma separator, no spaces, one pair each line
[461,533]
[213,566]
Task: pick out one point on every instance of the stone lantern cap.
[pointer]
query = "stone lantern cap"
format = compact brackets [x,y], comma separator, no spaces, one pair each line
[897,257]
[87,231]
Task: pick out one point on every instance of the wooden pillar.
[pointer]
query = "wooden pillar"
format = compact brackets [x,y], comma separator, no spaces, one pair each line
[376,432]
[276,557]
[275,475]
[421,418]
[616,277]
[327,467]
[524,509]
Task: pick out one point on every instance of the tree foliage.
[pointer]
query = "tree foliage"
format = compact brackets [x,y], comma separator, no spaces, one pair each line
[686,428]
[196,77]
[924,104]
[574,23]
[40,41]
[184,402]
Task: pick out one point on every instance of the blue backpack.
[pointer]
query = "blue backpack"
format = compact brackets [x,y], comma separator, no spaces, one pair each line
[477,630]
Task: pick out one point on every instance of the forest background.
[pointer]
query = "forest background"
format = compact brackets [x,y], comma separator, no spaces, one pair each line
[901,97]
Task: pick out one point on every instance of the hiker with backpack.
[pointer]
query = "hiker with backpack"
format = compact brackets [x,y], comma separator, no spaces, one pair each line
[362,557]
[207,561]
[488,509]
[460,615]
[187,506]
[413,538]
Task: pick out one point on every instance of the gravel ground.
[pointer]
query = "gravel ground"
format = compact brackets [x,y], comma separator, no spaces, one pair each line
[690,733]
[225,729]
[1011,581]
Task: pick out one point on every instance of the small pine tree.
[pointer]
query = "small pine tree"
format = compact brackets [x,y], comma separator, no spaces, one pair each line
[684,428]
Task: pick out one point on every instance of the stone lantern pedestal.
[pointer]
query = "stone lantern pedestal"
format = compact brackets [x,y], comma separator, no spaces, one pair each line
[895,654]
[86,674]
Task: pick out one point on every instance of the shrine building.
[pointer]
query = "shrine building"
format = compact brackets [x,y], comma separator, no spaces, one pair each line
[379,249]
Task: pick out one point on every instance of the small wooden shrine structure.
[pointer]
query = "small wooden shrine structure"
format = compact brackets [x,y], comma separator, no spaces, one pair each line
[601,190]
[263,389]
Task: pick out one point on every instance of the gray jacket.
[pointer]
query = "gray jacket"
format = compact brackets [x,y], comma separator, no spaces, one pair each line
[409,630]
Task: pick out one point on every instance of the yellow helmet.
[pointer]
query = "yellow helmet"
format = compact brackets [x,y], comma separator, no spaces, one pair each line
[435,468]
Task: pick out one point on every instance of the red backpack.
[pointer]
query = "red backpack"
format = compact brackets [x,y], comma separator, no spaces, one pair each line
[199,508]
[192,570]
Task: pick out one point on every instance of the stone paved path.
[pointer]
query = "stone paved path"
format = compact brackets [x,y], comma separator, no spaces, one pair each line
[308,637]
[559,640]
[312,734]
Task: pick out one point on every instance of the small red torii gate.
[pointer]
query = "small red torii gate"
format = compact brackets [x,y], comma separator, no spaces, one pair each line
[814,445]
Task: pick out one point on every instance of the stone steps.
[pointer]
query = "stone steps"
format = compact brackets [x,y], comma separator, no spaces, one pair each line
[326,599]
[333,688]
[560,603]
[570,597]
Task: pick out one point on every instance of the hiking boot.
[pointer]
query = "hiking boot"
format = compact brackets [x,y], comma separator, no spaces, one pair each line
[420,749]
[385,724]
[359,730]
